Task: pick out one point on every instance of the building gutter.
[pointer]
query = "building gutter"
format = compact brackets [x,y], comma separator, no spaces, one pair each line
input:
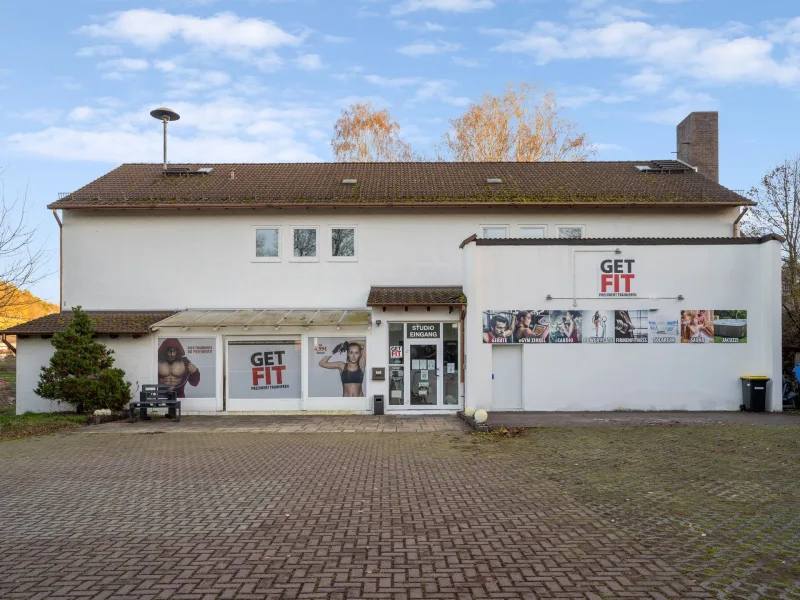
[461,205]
[60,261]
[9,345]
[736,230]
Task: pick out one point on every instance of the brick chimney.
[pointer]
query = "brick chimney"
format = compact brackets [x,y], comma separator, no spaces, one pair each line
[698,143]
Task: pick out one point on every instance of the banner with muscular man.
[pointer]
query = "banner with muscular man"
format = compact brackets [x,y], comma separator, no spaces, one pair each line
[188,366]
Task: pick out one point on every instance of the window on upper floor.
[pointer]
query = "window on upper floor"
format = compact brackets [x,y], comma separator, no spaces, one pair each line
[343,243]
[268,244]
[571,232]
[532,231]
[494,231]
[304,243]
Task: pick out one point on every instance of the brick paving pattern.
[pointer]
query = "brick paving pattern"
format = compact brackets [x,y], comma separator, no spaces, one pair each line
[593,513]
[288,424]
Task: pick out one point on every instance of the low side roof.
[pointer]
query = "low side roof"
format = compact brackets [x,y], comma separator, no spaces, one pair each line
[125,322]
[398,184]
[452,295]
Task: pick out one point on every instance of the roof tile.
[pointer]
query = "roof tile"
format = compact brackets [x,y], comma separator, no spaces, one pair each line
[416,296]
[126,322]
[379,184]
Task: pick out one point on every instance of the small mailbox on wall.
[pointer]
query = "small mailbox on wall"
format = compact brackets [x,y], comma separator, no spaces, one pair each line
[378,373]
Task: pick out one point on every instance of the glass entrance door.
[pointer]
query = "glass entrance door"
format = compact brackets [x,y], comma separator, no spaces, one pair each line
[424,373]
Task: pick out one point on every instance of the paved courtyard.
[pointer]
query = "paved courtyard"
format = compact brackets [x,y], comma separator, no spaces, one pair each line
[564,512]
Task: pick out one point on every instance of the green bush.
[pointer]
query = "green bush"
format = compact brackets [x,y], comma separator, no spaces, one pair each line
[81,371]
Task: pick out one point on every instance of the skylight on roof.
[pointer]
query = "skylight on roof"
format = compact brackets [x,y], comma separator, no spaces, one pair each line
[494,180]
[350,181]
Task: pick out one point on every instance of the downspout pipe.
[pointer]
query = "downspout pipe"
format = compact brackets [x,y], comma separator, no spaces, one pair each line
[736,230]
[60,261]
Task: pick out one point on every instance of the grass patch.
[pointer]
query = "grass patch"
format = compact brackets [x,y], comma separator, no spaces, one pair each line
[10,378]
[14,427]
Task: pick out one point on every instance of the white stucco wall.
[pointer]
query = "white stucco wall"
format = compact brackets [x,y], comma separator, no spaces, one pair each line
[629,376]
[148,260]
[134,356]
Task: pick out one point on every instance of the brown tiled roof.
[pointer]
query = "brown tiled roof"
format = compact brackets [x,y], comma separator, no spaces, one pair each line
[416,296]
[126,322]
[392,184]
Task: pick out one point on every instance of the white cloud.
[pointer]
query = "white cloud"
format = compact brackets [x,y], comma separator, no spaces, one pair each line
[392,81]
[309,62]
[426,27]
[226,31]
[187,80]
[438,90]
[226,129]
[600,11]
[376,101]
[124,64]
[703,54]
[646,81]
[102,50]
[577,97]
[337,39]
[427,48]
[408,6]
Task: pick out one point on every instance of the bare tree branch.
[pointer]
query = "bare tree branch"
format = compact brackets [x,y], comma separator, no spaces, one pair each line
[21,260]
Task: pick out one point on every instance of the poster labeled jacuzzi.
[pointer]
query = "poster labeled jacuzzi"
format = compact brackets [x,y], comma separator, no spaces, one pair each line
[730,326]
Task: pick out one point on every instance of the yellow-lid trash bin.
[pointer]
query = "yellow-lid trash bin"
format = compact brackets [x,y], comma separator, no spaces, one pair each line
[754,393]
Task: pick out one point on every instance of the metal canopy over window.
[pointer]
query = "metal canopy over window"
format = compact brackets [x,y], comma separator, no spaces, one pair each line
[255,317]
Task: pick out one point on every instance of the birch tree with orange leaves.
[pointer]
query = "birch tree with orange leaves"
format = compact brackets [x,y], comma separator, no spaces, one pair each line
[364,134]
[522,125]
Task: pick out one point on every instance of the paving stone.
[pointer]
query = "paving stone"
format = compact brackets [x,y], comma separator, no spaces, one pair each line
[583,512]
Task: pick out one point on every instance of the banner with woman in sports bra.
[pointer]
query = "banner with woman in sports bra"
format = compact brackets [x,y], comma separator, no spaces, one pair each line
[337,367]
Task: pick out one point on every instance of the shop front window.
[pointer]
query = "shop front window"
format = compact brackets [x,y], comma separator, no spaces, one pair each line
[396,358]
[450,337]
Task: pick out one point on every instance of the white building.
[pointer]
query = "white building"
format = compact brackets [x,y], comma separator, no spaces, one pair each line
[519,286]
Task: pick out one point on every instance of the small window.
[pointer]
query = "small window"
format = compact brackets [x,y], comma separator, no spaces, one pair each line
[494,231]
[268,244]
[532,231]
[570,232]
[304,243]
[343,243]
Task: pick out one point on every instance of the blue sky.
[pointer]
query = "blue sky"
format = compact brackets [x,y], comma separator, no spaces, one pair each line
[261,80]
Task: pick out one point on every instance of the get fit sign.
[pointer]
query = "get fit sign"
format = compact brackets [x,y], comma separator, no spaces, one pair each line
[617,278]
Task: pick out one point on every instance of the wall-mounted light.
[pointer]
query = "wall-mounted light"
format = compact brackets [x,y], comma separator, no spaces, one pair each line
[378,322]
[617,251]
[680,296]
[548,297]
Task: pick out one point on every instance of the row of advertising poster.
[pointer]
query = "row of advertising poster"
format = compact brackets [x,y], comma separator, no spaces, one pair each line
[700,326]
[264,368]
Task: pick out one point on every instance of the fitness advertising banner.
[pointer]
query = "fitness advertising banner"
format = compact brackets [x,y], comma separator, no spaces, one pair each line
[696,326]
[336,367]
[188,365]
[598,326]
[264,369]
